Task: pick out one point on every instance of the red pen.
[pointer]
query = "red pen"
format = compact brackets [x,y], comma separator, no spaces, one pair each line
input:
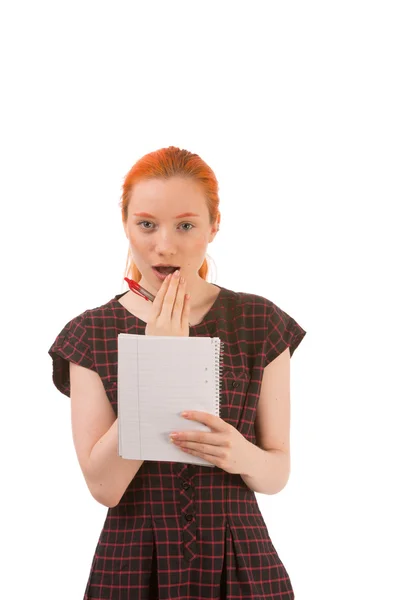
[139,290]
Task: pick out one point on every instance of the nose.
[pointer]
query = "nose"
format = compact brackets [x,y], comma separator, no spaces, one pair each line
[164,245]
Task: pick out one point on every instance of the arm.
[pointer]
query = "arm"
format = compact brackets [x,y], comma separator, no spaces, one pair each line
[268,470]
[95,435]
[269,460]
[108,474]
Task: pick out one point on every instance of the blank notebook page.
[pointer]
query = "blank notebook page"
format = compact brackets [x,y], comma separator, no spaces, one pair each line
[158,378]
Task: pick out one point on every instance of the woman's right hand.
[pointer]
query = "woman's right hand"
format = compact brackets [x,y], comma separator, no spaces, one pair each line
[169,313]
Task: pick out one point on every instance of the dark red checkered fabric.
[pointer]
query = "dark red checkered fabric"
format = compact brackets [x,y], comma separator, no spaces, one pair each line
[186,531]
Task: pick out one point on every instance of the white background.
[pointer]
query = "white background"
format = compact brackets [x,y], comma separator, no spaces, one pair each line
[295,106]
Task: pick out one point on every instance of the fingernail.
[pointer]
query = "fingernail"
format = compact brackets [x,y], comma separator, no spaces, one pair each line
[177,273]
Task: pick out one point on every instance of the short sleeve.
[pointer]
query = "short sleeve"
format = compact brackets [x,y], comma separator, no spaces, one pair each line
[282,332]
[71,345]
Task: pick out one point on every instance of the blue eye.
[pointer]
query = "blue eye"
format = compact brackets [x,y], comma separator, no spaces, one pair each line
[191,226]
[148,229]
[141,222]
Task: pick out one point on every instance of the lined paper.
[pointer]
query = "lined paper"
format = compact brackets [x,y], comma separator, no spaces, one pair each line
[158,378]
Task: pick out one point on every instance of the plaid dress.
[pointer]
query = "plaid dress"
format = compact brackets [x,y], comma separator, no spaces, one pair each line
[183,531]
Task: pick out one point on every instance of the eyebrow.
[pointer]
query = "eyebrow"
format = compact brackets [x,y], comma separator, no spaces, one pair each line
[148,215]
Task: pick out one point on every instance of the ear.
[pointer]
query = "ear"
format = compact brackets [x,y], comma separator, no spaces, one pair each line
[214,229]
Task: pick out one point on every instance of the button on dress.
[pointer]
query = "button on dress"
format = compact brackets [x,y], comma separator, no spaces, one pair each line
[182,531]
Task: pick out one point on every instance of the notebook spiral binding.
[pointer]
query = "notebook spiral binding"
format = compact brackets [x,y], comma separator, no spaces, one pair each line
[219,361]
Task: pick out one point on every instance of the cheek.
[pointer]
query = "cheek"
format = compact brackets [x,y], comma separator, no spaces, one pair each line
[199,243]
[134,243]
[138,248]
[137,242]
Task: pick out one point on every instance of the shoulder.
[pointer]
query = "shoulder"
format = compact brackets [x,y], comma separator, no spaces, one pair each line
[90,318]
[250,304]
[264,318]
[98,313]
[83,340]
[75,324]
[255,301]
[265,324]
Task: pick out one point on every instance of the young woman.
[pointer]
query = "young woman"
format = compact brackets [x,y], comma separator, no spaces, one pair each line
[175,530]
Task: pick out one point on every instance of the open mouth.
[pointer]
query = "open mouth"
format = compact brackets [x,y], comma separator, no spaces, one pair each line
[165,270]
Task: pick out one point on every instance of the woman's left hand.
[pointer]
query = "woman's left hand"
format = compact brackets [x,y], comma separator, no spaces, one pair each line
[223,446]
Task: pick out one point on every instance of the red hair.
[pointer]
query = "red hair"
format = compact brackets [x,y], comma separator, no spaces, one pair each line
[163,164]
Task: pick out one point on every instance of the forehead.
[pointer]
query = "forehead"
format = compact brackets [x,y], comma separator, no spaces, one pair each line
[165,195]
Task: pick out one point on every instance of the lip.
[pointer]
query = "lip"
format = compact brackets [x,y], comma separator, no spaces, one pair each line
[162,265]
[159,275]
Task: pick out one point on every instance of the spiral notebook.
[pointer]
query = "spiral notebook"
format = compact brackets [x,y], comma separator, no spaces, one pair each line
[158,378]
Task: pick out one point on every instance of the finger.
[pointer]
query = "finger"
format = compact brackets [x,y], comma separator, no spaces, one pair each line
[159,299]
[170,296]
[202,437]
[186,310]
[173,285]
[212,421]
[179,304]
[204,448]
[186,307]
[210,453]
